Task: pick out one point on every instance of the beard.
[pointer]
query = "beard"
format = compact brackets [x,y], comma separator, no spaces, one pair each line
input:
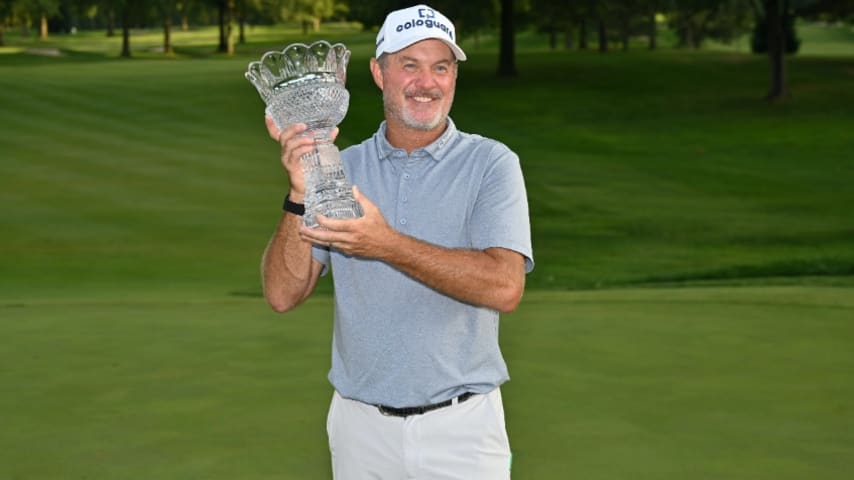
[406,117]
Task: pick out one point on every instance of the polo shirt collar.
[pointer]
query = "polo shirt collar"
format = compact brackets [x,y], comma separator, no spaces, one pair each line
[438,149]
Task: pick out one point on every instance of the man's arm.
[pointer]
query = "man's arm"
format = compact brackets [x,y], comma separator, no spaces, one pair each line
[492,278]
[288,271]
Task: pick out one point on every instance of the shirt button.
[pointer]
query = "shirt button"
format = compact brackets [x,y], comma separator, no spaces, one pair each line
[406,176]
[403,221]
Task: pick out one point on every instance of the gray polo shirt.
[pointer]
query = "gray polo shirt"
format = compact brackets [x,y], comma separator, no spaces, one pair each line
[396,341]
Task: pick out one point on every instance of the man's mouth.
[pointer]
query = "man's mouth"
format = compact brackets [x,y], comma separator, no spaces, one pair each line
[424,97]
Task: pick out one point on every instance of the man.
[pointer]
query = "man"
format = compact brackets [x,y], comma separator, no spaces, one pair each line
[442,248]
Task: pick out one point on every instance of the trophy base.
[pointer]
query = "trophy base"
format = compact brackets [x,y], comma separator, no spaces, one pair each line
[338,204]
[328,192]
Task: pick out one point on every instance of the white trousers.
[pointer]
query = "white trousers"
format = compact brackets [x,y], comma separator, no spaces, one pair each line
[464,441]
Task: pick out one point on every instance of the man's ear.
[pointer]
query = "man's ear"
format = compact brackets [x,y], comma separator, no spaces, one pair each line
[377,73]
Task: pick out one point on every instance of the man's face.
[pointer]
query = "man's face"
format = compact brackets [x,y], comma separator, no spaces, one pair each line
[418,84]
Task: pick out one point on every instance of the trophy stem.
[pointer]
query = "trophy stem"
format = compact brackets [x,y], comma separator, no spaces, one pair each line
[327,191]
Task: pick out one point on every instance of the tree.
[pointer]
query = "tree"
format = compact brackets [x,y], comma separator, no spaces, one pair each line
[372,13]
[827,10]
[553,18]
[186,8]
[586,10]
[244,7]
[696,20]
[109,8]
[309,13]
[507,47]
[771,13]
[5,13]
[759,38]
[42,10]
[125,14]
[470,17]
[650,9]
[603,12]
[225,13]
[166,8]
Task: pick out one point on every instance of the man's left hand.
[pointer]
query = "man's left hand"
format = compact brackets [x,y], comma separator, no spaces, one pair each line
[365,236]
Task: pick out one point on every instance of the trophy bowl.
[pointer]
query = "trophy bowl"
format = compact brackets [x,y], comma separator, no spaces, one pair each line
[305,84]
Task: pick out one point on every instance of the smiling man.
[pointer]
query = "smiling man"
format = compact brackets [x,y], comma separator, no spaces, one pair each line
[443,248]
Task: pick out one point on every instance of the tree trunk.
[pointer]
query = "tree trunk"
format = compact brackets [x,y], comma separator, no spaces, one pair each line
[603,37]
[653,32]
[686,39]
[776,49]
[567,38]
[230,21]
[582,34]
[111,23]
[167,34]
[223,40]
[126,31]
[241,23]
[625,35]
[185,23]
[552,39]
[507,49]
[43,28]
[2,31]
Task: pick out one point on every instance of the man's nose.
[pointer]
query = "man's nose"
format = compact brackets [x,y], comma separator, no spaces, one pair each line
[425,78]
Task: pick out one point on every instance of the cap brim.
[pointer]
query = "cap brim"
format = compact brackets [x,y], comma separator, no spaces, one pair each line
[458,52]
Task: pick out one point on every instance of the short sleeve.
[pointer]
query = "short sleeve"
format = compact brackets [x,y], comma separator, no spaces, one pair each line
[500,217]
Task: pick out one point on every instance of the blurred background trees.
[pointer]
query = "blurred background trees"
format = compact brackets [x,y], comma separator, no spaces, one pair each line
[568,24]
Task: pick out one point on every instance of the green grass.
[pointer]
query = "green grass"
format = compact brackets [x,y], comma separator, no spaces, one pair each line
[641,167]
[137,196]
[735,383]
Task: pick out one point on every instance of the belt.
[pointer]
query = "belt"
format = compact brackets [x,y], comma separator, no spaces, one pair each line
[407,411]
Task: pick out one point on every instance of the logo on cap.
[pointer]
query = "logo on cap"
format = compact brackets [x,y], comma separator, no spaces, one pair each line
[426,13]
[426,20]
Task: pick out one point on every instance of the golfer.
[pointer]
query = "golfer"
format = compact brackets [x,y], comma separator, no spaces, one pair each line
[443,248]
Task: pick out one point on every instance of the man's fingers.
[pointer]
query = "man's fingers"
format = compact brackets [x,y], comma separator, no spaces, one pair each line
[290,132]
[332,225]
[272,128]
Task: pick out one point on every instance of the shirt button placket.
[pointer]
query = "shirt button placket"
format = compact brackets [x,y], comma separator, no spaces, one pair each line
[403,198]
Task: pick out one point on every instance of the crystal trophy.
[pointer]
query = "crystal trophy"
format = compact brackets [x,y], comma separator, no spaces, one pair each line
[305,84]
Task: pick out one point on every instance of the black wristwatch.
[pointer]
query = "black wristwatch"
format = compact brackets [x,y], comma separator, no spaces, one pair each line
[291,207]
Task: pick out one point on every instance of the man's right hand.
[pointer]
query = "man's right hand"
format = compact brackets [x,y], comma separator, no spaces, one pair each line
[294,145]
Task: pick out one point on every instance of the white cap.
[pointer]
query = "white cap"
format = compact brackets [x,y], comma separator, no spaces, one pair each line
[404,27]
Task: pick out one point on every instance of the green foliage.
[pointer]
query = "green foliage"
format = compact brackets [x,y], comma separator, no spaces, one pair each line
[759,38]
[695,21]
